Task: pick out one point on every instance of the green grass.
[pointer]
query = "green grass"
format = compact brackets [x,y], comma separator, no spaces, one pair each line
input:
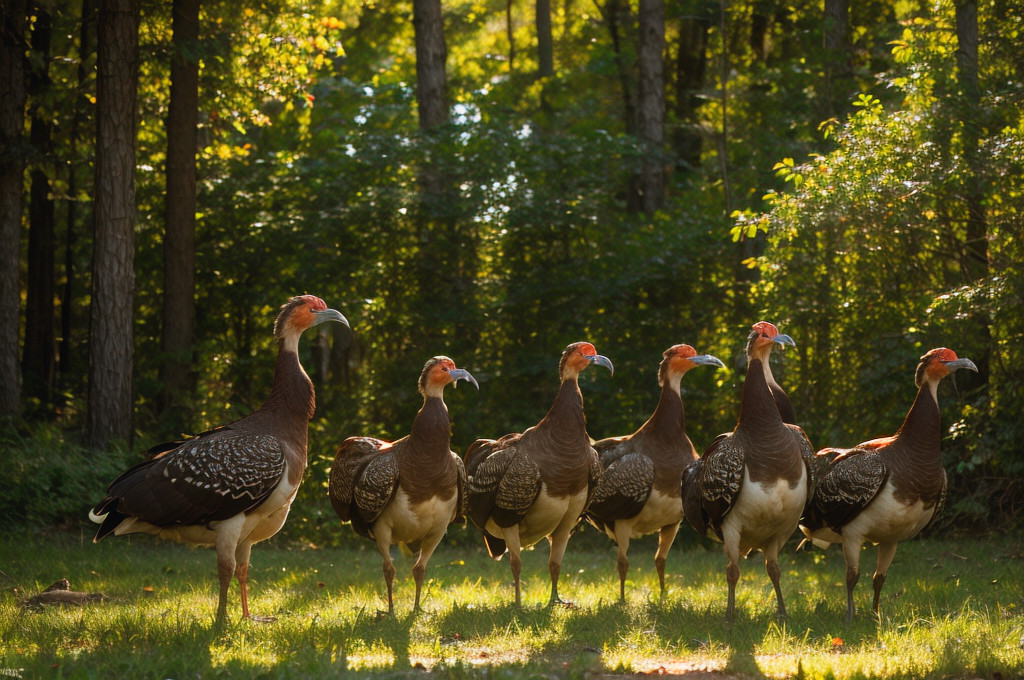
[950,608]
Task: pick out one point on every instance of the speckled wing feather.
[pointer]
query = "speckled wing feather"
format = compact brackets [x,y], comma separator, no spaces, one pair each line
[376,486]
[693,511]
[460,503]
[849,484]
[596,475]
[352,456]
[503,482]
[612,448]
[815,468]
[625,488]
[206,479]
[720,479]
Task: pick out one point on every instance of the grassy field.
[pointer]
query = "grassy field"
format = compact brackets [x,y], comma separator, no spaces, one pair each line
[950,609]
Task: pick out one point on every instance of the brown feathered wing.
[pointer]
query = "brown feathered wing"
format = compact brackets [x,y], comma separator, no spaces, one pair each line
[625,486]
[363,480]
[712,485]
[850,483]
[206,479]
[503,481]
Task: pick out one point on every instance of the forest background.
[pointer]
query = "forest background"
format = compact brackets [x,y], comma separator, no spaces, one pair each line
[491,180]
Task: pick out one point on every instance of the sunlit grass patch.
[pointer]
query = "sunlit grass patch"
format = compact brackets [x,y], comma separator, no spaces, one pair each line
[949,609]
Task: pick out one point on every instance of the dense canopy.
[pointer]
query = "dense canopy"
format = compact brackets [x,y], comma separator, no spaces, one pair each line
[851,171]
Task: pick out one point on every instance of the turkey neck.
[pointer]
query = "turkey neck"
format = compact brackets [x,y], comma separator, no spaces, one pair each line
[430,436]
[425,465]
[290,407]
[915,458]
[782,402]
[559,443]
[668,422]
[665,441]
[771,451]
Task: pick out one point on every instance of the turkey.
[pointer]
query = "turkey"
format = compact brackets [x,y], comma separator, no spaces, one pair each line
[885,490]
[751,486]
[640,491]
[230,487]
[529,485]
[408,491]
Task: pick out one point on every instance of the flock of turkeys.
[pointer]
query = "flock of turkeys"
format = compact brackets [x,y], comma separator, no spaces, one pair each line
[231,487]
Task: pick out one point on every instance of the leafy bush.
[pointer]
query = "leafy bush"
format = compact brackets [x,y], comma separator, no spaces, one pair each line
[51,479]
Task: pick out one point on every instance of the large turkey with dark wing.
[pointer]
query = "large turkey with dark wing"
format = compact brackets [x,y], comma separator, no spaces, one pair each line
[639,493]
[230,487]
[885,490]
[529,485]
[751,486]
[409,491]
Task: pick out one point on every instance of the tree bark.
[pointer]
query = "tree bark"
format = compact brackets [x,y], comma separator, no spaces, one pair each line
[67,302]
[545,41]
[510,33]
[180,213]
[651,100]
[110,414]
[837,56]
[615,15]
[976,263]
[12,167]
[691,69]
[431,55]
[37,361]
[760,24]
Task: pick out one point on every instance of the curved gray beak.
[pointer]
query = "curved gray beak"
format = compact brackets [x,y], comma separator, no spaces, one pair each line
[960,363]
[329,315]
[707,360]
[601,361]
[783,339]
[462,374]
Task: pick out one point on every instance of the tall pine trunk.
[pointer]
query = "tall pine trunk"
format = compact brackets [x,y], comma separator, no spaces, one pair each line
[67,302]
[12,167]
[975,264]
[691,71]
[616,17]
[545,40]
[649,187]
[838,75]
[110,414]
[431,55]
[180,212]
[38,355]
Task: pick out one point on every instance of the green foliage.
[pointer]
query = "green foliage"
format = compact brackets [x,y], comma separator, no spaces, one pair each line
[312,170]
[51,479]
[869,267]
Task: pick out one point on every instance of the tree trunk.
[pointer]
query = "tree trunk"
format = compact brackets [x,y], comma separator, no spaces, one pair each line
[67,303]
[446,259]
[180,212]
[691,68]
[545,41]
[651,109]
[760,24]
[431,55]
[975,264]
[38,355]
[723,139]
[436,257]
[510,32]
[12,167]
[615,15]
[837,56]
[110,414]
